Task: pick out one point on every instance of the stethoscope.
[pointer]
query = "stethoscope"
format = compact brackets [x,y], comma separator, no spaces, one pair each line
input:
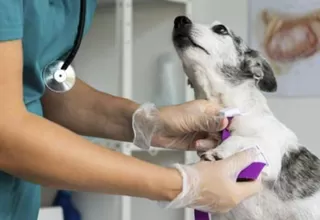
[59,76]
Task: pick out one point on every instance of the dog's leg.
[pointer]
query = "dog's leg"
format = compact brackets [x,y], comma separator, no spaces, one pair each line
[228,147]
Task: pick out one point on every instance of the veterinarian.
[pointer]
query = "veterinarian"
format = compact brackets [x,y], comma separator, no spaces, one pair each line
[40,142]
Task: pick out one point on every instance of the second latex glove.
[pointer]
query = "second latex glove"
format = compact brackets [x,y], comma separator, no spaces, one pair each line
[212,186]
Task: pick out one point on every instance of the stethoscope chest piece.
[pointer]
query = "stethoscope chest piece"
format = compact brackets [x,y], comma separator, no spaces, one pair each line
[60,76]
[57,79]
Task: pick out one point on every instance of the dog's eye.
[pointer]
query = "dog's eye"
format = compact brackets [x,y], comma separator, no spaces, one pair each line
[220,29]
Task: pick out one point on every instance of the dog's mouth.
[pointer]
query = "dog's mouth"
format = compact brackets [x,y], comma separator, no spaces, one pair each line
[182,39]
[197,45]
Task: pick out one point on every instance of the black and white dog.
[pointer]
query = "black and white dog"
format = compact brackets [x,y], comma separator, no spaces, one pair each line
[222,68]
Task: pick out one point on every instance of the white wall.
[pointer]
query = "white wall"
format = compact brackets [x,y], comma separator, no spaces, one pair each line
[96,62]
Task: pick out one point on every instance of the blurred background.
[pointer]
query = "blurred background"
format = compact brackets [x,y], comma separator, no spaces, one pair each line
[128,52]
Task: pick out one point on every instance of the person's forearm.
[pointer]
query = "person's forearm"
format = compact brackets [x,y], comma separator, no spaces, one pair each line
[40,151]
[89,112]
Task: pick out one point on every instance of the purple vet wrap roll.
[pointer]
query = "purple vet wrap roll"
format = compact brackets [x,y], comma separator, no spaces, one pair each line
[248,174]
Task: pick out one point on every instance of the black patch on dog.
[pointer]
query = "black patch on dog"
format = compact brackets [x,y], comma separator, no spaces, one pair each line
[251,66]
[238,44]
[233,74]
[268,82]
[299,177]
[256,65]
[237,40]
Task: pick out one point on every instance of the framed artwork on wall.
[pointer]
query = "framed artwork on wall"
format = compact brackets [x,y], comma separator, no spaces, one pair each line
[287,33]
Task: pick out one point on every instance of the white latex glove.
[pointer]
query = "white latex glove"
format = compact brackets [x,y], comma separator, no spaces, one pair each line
[212,186]
[189,126]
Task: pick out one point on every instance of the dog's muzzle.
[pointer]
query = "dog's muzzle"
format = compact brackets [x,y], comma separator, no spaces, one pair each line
[181,22]
[182,36]
[181,32]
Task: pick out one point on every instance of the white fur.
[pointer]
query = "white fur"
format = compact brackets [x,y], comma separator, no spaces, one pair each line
[258,125]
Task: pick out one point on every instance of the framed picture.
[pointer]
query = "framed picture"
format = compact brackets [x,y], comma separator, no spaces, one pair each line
[287,33]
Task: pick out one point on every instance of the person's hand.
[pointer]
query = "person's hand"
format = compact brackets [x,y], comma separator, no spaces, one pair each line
[192,125]
[212,186]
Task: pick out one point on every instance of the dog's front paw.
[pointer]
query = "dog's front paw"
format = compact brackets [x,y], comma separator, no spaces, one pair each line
[214,154]
[226,149]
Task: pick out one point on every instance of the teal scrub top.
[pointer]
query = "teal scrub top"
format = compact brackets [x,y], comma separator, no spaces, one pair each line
[48,29]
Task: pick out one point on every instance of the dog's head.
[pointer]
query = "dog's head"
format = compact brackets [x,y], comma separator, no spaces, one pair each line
[216,60]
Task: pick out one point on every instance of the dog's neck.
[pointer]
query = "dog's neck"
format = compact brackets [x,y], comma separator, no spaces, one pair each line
[246,97]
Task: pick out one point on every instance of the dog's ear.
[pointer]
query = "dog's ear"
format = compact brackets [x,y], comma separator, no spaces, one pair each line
[268,82]
[259,69]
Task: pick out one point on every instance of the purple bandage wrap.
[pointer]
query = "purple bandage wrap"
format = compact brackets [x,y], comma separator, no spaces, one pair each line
[250,173]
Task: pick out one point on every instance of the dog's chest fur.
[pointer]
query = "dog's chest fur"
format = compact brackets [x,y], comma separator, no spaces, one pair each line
[292,188]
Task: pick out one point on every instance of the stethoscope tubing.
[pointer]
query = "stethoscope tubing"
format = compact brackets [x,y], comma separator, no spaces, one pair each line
[78,39]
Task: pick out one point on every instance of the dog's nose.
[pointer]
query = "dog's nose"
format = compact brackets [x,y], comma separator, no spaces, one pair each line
[181,21]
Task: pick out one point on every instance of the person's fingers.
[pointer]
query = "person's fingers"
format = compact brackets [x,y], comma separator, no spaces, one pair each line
[241,160]
[211,141]
[210,124]
[222,123]
[205,144]
[212,112]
